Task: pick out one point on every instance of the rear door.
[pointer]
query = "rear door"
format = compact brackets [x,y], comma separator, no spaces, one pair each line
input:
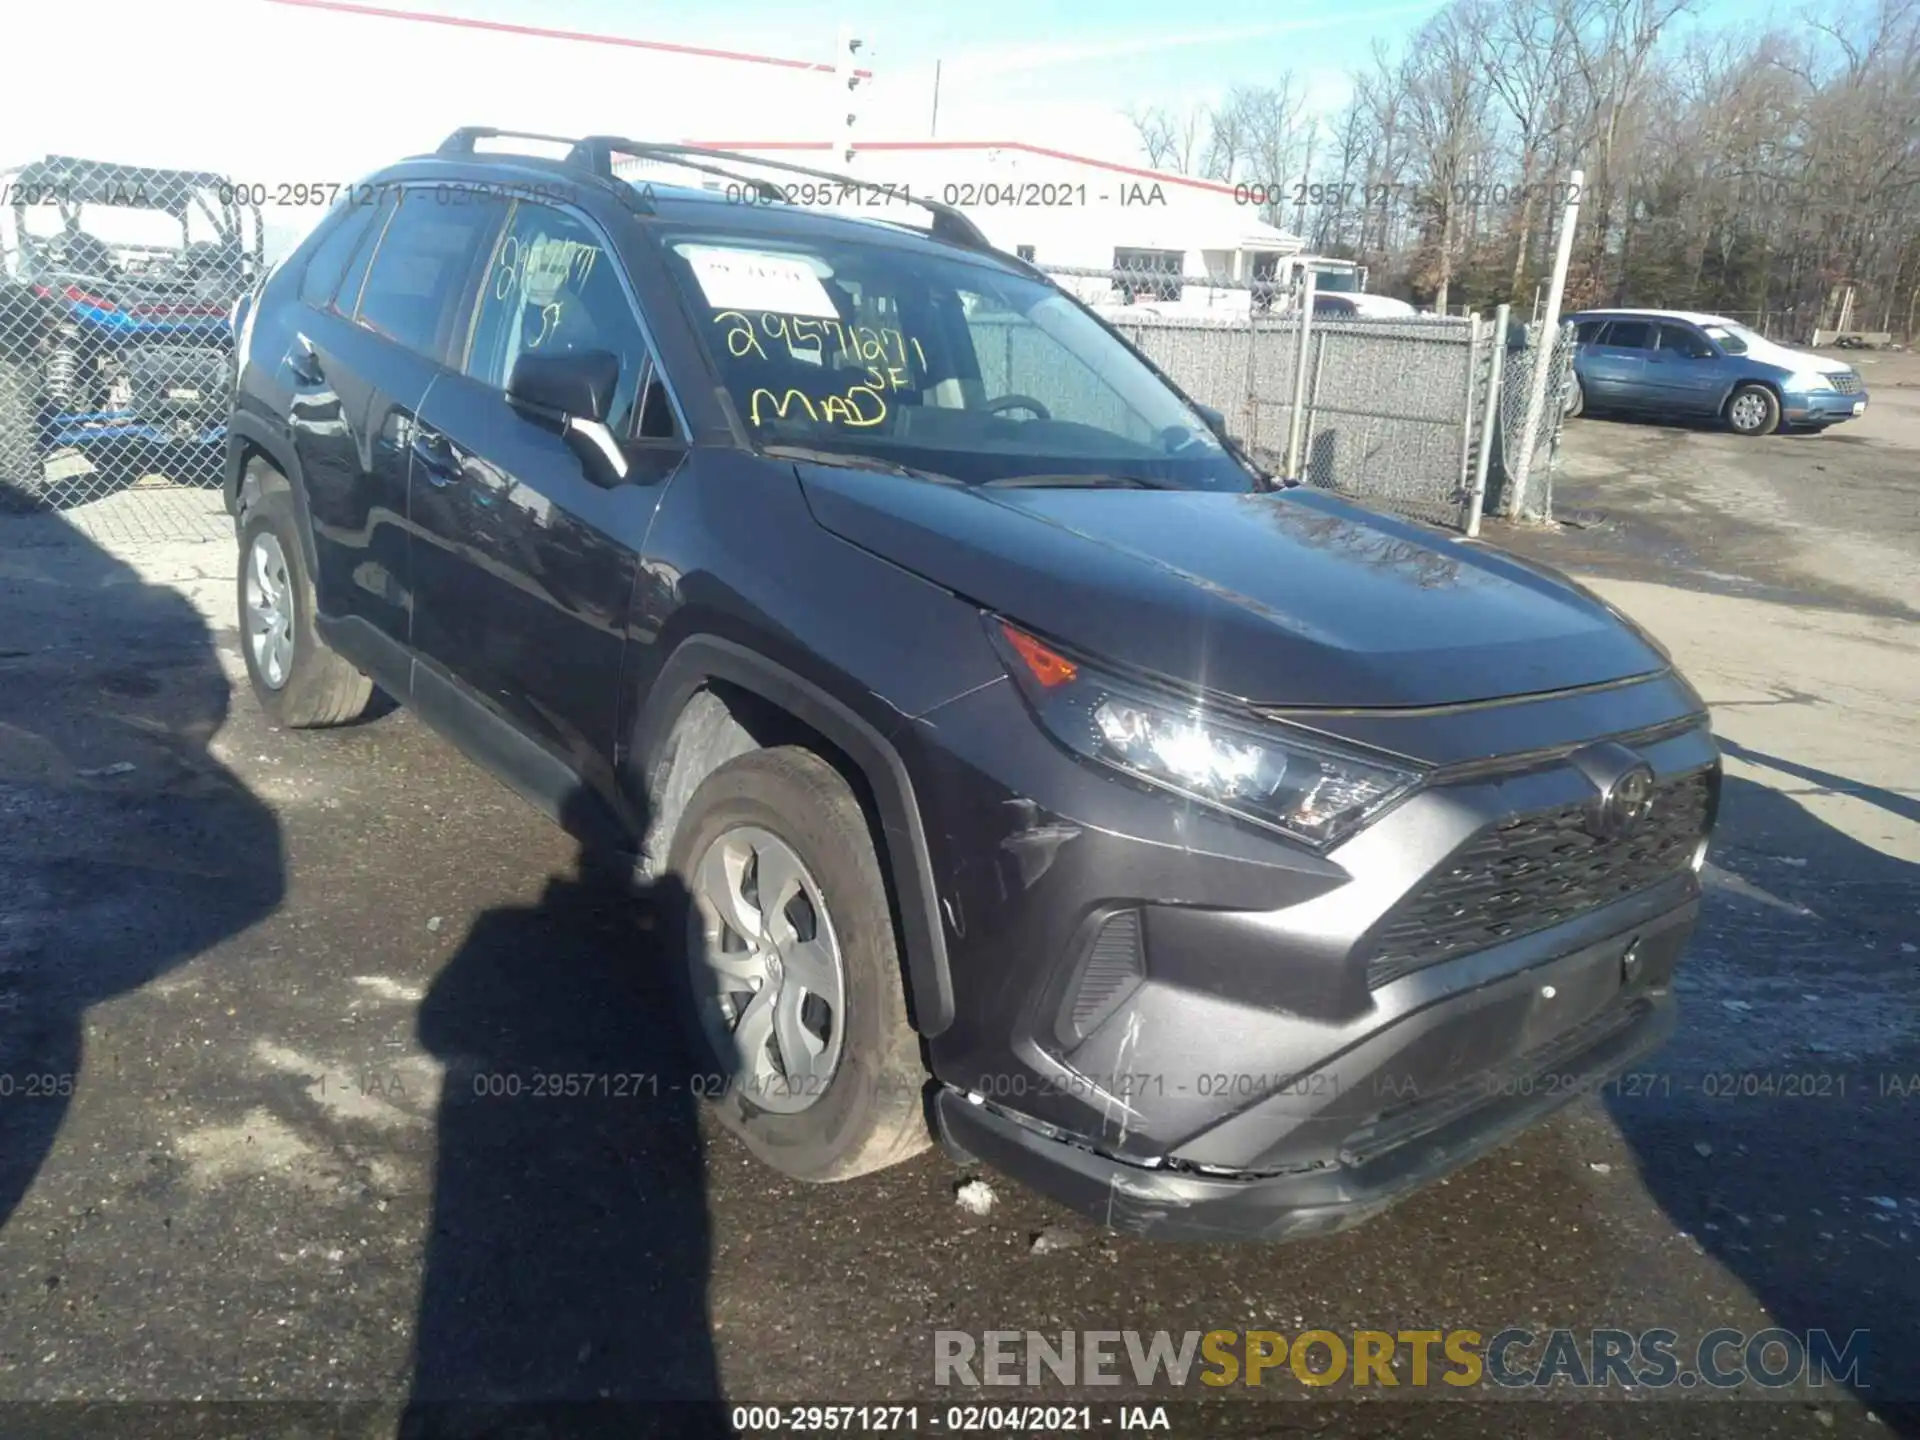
[361,368]
[1614,365]
[1685,372]
[524,563]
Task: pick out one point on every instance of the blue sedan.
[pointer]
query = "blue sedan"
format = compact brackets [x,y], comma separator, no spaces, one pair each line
[1674,363]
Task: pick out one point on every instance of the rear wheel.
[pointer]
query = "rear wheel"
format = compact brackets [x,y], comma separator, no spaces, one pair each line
[1753,410]
[789,973]
[299,680]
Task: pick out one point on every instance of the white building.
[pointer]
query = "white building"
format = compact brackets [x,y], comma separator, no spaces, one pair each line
[1060,210]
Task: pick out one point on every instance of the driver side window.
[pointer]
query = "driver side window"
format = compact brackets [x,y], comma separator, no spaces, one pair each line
[553,289]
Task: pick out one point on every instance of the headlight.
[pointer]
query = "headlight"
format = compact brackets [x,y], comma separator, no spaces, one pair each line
[1809,380]
[1308,789]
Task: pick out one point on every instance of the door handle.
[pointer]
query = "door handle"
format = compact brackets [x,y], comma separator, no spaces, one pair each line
[436,456]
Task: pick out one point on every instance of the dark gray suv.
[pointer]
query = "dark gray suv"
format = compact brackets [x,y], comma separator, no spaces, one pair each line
[1041,776]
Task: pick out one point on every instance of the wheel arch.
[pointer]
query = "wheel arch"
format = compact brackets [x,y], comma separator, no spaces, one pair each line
[247,441]
[715,699]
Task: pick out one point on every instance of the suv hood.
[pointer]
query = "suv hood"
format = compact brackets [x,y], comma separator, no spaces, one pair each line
[1293,598]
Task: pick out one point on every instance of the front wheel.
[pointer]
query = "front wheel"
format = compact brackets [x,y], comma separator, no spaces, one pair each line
[789,972]
[1575,403]
[1753,410]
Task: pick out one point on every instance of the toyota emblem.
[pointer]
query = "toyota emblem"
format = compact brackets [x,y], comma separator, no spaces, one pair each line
[1623,804]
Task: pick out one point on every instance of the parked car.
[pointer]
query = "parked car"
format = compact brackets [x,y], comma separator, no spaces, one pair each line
[1354,305]
[1677,363]
[119,348]
[1225,859]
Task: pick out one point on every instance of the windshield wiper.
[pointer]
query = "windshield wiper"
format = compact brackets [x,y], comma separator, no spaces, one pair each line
[1084,482]
[851,460]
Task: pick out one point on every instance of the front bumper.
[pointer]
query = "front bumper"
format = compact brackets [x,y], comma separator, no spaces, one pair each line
[1380,1137]
[1822,407]
[1153,1003]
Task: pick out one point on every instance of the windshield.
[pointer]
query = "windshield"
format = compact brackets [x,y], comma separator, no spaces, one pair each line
[1731,338]
[934,363]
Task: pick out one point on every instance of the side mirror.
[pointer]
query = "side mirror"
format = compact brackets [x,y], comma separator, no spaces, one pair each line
[574,392]
[1213,417]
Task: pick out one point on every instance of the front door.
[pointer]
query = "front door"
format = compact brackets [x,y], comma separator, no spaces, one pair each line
[523,561]
[1685,372]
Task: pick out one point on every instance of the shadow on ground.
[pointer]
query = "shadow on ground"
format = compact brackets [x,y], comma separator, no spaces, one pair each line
[1799,1074]
[126,848]
[565,1278]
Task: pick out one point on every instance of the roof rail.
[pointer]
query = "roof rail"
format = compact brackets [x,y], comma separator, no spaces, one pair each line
[460,142]
[594,155]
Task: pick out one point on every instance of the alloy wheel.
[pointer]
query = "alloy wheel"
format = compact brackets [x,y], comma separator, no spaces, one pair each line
[269,610]
[1749,412]
[769,979]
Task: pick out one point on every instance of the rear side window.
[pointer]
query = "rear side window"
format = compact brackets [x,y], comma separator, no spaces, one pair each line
[1630,335]
[419,274]
[328,262]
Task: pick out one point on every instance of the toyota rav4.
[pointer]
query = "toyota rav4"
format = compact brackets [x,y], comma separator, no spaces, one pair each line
[1041,776]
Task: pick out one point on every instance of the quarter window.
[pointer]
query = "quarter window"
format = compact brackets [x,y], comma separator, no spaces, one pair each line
[346,296]
[329,259]
[553,289]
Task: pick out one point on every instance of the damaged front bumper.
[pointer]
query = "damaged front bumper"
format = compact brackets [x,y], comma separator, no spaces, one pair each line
[1352,1160]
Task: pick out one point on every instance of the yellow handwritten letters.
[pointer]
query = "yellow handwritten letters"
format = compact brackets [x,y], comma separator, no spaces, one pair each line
[881,351]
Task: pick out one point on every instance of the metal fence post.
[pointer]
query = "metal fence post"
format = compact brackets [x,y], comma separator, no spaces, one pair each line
[1294,425]
[1475,334]
[1490,421]
[1543,356]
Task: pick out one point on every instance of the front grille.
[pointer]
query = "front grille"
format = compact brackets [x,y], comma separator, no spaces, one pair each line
[1847,383]
[1534,870]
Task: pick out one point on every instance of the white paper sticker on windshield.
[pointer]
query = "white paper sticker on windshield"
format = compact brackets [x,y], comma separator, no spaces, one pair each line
[758,280]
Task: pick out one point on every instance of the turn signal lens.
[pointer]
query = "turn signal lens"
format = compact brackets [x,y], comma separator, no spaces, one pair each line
[1049,668]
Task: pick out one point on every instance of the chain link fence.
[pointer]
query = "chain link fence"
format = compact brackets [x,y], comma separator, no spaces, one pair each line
[1522,488]
[116,350]
[117,283]
[1391,400]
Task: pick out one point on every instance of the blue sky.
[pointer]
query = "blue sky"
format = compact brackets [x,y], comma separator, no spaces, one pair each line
[1111,54]
[1101,57]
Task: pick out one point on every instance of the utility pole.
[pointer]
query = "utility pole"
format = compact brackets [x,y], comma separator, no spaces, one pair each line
[850,83]
[933,126]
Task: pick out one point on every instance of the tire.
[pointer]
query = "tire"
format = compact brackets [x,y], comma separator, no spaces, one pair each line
[22,475]
[1753,410]
[844,1112]
[1576,401]
[305,685]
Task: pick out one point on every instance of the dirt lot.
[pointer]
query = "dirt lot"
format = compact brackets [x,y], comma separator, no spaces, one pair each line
[1832,518]
[266,981]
